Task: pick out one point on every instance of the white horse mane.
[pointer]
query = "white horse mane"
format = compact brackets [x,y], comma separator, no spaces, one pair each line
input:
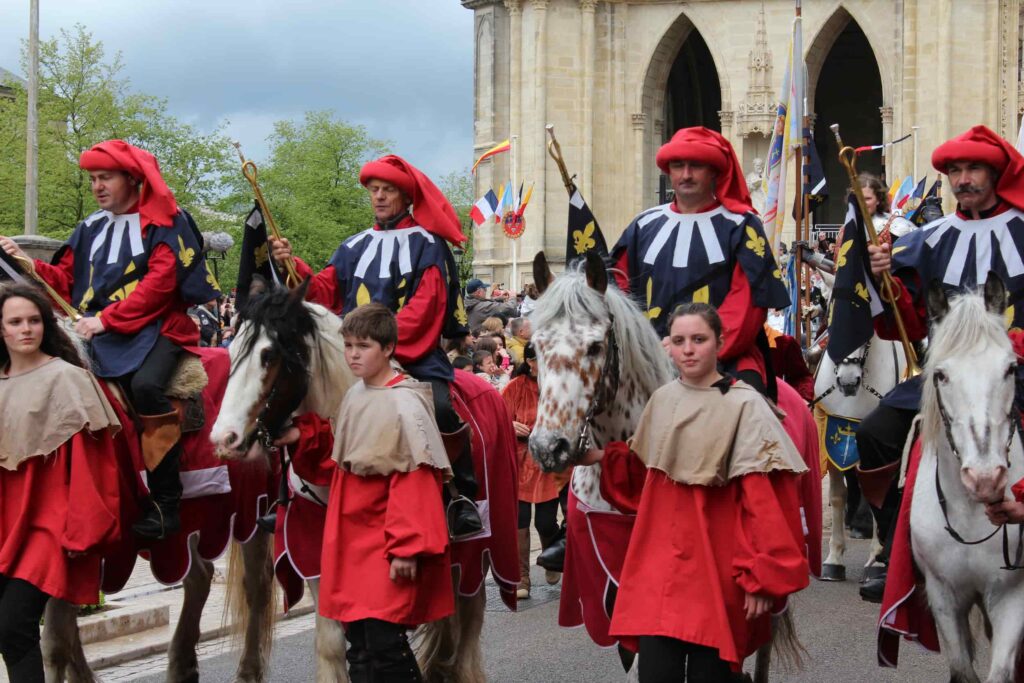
[570,297]
[967,328]
[330,376]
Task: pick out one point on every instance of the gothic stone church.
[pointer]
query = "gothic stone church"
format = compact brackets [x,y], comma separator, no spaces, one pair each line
[617,77]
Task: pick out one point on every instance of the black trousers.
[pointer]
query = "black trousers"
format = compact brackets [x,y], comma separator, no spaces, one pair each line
[667,660]
[545,520]
[379,652]
[448,421]
[21,608]
[147,386]
[880,439]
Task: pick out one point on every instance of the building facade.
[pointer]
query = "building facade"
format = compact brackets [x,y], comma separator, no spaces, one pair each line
[617,77]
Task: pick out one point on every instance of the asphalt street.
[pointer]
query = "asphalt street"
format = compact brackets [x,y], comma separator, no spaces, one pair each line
[836,627]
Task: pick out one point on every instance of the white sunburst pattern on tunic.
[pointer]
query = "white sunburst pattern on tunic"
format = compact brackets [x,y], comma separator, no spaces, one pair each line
[119,223]
[685,227]
[385,241]
[980,233]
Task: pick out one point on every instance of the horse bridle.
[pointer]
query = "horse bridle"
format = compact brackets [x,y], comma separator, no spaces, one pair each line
[605,389]
[947,424]
[862,363]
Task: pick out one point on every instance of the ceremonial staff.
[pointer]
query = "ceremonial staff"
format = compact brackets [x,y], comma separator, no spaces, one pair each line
[292,279]
[30,270]
[848,158]
[555,150]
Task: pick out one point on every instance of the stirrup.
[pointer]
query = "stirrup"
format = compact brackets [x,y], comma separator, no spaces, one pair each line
[455,505]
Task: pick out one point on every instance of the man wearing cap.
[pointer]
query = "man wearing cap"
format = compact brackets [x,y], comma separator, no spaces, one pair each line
[707,245]
[403,261]
[983,235]
[132,269]
[479,307]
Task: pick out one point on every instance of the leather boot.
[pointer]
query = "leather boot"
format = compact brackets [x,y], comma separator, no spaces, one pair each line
[462,514]
[162,518]
[523,592]
[552,558]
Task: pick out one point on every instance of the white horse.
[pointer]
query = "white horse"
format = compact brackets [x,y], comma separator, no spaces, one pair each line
[971,452]
[310,336]
[851,390]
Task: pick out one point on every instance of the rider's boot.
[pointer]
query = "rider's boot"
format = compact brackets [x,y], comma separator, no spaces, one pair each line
[161,451]
[462,514]
[523,591]
[552,558]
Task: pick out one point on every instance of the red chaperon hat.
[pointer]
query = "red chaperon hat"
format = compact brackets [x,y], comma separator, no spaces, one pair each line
[156,201]
[708,147]
[430,208]
[982,144]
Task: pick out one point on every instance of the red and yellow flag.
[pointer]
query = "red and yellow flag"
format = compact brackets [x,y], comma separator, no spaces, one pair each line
[497,149]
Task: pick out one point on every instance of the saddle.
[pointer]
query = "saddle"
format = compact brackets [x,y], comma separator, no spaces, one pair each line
[185,390]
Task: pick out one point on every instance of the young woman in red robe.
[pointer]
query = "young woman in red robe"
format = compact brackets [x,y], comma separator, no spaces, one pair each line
[713,480]
[59,502]
[385,566]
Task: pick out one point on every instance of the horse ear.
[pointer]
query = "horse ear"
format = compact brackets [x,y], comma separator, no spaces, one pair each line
[298,295]
[542,276]
[597,274]
[995,293]
[938,304]
[257,286]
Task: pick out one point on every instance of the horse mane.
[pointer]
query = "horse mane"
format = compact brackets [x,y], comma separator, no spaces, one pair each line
[570,297]
[330,374]
[966,328]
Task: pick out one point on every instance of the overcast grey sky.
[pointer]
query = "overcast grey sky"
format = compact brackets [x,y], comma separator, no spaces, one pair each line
[401,68]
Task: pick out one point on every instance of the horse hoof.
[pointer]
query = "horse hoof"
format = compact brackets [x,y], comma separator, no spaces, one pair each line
[873,572]
[833,572]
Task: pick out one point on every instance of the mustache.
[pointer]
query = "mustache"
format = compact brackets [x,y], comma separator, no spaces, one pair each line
[968,189]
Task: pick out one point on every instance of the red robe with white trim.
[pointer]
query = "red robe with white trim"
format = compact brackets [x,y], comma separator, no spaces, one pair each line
[695,551]
[68,500]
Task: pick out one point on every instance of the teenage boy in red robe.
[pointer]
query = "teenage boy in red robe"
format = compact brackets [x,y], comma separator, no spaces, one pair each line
[385,565]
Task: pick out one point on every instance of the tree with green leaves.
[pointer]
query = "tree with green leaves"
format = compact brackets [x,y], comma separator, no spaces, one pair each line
[83,100]
[457,186]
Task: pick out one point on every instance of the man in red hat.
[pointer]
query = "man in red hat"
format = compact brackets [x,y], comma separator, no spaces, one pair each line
[132,269]
[986,174]
[403,261]
[706,245]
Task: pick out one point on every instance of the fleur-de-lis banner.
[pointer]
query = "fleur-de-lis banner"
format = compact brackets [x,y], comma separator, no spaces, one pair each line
[583,234]
[255,257]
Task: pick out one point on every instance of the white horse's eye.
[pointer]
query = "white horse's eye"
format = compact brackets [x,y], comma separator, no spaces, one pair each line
[941,376]
[594,349]
[1011,370]
[267,356]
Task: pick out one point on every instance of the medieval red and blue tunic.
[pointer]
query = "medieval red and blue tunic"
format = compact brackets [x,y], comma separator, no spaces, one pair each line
[409,270]
[666,258]
[140,280]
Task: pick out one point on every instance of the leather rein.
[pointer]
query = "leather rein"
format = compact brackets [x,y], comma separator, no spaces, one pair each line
[862,363]
[606,388]
[947,423]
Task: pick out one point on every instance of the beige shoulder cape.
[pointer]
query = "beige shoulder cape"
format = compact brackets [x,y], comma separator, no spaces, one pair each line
[702,436]
[382,430]
[43,408]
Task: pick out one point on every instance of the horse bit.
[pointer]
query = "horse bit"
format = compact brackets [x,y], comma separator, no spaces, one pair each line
[947,423]
[605,389]
[862,363]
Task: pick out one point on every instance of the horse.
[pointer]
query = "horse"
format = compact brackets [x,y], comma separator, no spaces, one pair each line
[287,358]
[844,394]
[599,361]
[210,487]
[971,452]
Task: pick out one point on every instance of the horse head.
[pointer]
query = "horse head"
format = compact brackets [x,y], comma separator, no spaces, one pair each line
[850,371]
[969,385]
[270,372]
[598,360]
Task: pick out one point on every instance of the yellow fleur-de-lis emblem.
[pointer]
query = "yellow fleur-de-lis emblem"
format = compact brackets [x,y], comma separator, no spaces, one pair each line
[89,293]
[842,253]
[652,313]
[584,239]
[260,254]
[185,254]
[702,295]
[211,280]
[460,311]
[777,274]
[362,295]
[860,290]
[1008,317]
[401,299]
[897,250]
[756,242]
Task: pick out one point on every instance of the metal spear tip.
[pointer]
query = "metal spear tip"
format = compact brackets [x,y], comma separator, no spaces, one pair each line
[550,127]
[834,127]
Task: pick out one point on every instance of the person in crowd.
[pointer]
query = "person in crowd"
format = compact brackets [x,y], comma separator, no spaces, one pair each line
[385,566]
[479,307]
[486,366]
[59,498]
[538,490]
[530,296]
[461,346]
[718,543]
[491,326]
[520,331]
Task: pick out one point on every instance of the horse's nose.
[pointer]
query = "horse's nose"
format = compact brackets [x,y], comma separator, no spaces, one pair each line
[987,485]
[231,441]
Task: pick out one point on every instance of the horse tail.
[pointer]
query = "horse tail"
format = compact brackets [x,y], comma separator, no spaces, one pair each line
[250,584]
[786,643]
[236,608]
[437,648]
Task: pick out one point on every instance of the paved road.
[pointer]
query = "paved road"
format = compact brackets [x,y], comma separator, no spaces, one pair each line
[835,626]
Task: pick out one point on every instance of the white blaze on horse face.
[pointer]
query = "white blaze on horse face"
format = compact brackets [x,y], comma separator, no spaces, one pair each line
[850,372]
[243,390]
[978,396]
[570,357]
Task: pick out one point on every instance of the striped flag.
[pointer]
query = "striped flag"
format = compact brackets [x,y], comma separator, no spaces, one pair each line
[497,149]
[903,192]
[484,208]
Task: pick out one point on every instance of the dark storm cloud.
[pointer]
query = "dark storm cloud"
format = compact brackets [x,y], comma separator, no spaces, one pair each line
[401,68]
